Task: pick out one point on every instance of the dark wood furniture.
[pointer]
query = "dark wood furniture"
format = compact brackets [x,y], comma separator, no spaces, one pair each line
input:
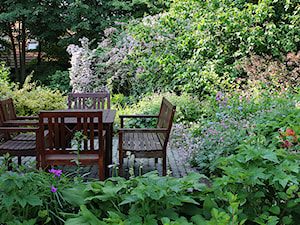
[10,118]
[147,142]
[62,126]
[89,100]
[17,147]
[108,121]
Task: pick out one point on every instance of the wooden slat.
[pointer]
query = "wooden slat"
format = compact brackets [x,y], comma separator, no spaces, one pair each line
[89,100]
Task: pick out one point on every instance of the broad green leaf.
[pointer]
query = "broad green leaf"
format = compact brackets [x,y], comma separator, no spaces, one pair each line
[275,210]
[272,156]
[75,195]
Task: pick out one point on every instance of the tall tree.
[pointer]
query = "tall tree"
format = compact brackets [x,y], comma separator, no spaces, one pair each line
[65,21]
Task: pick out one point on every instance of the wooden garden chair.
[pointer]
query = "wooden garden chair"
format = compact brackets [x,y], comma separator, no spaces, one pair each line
[16,147]
[89,100]
[10,118]
[62,127]
[147,142]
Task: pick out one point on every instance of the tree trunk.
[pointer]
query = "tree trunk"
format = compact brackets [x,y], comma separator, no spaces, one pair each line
[13,49]
[39,54]
[23,53]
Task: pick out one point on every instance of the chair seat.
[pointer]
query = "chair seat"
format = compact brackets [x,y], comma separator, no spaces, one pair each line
[21,146]
[141,142]
[24,137]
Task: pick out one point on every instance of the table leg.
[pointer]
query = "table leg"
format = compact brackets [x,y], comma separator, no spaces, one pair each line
[108,150]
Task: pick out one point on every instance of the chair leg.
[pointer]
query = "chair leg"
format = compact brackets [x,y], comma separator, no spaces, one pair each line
[19,160]
[101,171]
[120,164]
[164,166]
[120,154]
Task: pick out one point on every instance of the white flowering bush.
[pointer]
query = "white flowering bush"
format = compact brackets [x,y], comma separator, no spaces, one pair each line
[83,75]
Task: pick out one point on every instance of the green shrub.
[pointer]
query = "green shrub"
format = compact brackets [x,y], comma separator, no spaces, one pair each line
[264,177]
[31,98]
[150,199]
[188,109]
[61,81]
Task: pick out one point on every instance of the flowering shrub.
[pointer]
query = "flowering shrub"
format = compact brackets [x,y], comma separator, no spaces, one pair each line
[229,119]
[267,73]
[83,76]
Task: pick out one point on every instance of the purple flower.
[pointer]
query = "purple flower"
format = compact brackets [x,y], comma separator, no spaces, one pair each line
[52,171]
[58,172]
[240,108]
[53,189]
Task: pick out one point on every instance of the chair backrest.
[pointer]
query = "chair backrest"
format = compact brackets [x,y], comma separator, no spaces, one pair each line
[7,112]
[89,100]
[3,135]
[8,109]
[165,119]
[62,126]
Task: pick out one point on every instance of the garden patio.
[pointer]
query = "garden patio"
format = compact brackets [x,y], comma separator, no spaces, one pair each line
[177,168]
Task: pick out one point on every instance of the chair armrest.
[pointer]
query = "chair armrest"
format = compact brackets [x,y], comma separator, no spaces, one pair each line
[19,129]
[27,117]
[135,116]
[143,130]
[138,116]
[21,123]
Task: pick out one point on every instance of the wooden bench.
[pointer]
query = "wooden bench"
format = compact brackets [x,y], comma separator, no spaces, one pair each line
[89,100]
[147,142]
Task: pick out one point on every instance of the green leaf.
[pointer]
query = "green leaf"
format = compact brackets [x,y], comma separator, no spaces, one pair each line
[34,200]
[275,210]
[187,199]
[130,199]
[89,216]
[75,195]
[272,156]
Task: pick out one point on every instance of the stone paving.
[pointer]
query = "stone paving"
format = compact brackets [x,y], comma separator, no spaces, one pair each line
[173,164]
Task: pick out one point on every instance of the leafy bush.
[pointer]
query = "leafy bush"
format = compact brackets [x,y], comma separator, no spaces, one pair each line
[188,109]
[150,199]
[61,81]
[31,98]
[265,178]
[32,197]
[195,46]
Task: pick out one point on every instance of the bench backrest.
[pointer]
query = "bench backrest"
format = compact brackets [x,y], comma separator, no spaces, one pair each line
[165,119]
[62,128]
[89,100]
